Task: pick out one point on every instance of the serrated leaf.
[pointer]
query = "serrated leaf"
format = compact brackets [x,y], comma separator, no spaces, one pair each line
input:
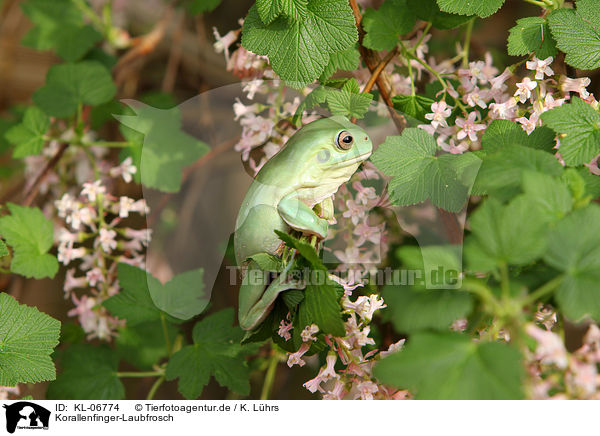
[348,101]
[299,50]
[574,248]
[577,33]
[428,10]
[530,35]
[551,195]
[346,60]
[305,250]
[31,236]
[414,105]
[59,26]
[28,136]
[27,338]
[88,373]
[144,298]
[271,9]
[144,345]
[450,366]
[503,133]
[417,173]
[384,26]
[412,310]
[160,146]
[323,309]
[69,85]
[579,126]
[481,8]
[500,173]
[216,352]
[513,233]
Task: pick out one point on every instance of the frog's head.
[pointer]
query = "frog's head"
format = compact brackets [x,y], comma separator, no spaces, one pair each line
[332,149]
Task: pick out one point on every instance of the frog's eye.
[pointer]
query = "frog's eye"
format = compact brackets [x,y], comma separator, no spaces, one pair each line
[344,140]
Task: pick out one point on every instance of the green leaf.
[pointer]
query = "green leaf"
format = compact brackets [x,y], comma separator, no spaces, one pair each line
[530,35]
[305,250]
[88,373]
[69,85]
[574,248]
[384,26]
[550,195]
[183,296]
[417,173]
[500,173]
[268,10]
[30,235]
[513,233]
[28,136]
[3,249]
[481,8]
[216,352]
[437,266]
[59,26]
[267,262]
[143,345]
[323,309]
[346,60]
[144,298]
[161,145]
[450,366]
[577,33]
[27,338]
[199,6]
[412,310]
[348,101]
[299,51]
[503,133]
[428,10]
[579,126]
[414,105]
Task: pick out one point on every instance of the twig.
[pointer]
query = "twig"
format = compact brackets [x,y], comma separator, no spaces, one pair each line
[33,191]
[377,71]
[175,56]
[372,61]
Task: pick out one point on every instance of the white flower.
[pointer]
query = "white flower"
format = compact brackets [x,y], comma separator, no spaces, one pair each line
[92,190]
[440,111]
[65,205]
[541,67]
[126,169]
[524,89]
[125,204]
[309,332]
[106,239]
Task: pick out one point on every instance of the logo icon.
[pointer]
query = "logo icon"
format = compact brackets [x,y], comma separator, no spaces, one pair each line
[26,415]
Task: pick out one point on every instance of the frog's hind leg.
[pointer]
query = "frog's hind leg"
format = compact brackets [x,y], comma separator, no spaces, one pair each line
[256,298]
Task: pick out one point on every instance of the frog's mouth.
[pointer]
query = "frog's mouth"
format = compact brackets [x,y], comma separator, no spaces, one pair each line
[359,158]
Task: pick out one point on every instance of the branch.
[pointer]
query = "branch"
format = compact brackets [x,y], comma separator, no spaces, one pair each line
[372,61]
[35,188]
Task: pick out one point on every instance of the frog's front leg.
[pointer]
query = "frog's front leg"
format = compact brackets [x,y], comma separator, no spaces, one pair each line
[301,217]
[256,301]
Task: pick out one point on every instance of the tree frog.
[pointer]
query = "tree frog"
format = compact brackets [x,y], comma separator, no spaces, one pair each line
[293,190]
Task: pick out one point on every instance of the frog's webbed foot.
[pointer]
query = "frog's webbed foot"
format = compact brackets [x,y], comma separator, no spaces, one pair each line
[256,300]
[301,217]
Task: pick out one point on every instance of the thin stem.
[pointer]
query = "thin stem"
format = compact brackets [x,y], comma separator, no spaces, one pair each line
[483,292]
[425,32]
[91,14]
[270,376]
[113,144]
[541,4]
[377,71]
[412,80]
[33,191]
[140,374]
[543,290]
[467,44]
[159,381]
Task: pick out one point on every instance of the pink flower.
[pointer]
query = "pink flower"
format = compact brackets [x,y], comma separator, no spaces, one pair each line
[125,205]
[72,282]
[476,97]
[550,102]
[126,169]
[143,235]
[284,330]
[66,253]
[223,43]
[309,332]
[364,195]
[498,82]
[394,348]
[106,239]
[367,233]
[94,276]
[529,124]
[440,111]
[468,127]
[504,111]
[296,358]
[366,389]
[593,166]
[541,67]
[93,190]
[337,393]
[524,89]
[576,85]
[550,349]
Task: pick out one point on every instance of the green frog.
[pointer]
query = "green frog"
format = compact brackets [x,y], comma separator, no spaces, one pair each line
[293,191]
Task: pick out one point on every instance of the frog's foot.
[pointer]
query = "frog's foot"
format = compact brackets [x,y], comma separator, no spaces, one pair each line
[256,300]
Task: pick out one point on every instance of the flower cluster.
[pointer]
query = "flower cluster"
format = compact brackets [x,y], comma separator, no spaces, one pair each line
[93,241]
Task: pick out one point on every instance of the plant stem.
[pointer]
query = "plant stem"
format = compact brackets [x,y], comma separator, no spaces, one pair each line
[412,80]
[483,292]
[270,376]
[159,381]
[467,44]
[377,71]
[504,281]
[543,290]
[140,374]
[541,4]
